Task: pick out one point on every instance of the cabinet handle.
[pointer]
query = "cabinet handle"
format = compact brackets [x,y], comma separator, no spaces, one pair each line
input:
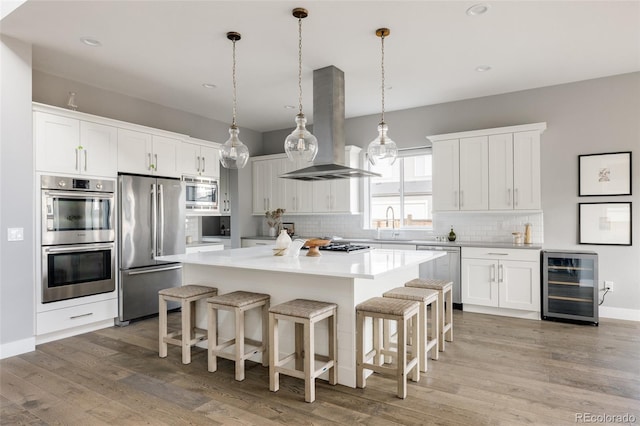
[203,164]
[149,165]
[81,315]
[498,254]
[515,197]
[155,156]
[455,199]
[461,198]
[509,196]
[77,159]
[492,275]
[85,160]
[500,273]
[197,163]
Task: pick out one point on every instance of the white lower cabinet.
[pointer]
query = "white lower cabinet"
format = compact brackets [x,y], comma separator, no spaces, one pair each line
[508,279]
[248,242]
[76,316]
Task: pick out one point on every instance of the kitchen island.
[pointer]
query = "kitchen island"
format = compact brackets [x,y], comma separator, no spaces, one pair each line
[346,279]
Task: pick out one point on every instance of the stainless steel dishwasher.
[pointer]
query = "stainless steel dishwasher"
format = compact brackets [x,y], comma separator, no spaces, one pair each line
[444,268]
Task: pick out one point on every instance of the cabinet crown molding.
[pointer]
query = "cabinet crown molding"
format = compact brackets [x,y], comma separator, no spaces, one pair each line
[541,127]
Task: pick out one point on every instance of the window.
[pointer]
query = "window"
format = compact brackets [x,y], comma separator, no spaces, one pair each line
[401,197]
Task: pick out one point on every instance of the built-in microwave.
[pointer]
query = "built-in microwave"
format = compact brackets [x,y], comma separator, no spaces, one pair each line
[201,194]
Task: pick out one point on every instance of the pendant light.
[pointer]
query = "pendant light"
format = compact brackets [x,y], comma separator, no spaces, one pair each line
[382,150]
[300,144]
[234,154]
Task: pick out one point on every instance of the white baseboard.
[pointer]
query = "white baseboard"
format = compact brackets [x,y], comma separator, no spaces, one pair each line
[619,313]
[503,312]
[62,334]
[18,347]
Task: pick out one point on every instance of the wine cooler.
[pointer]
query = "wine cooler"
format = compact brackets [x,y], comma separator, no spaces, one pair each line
[570,286]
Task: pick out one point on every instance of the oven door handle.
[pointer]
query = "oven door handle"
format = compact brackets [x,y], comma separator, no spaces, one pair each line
[79,194]
[149,271]
[93,247]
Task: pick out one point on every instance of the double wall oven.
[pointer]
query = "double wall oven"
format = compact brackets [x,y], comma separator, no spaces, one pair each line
[78,234]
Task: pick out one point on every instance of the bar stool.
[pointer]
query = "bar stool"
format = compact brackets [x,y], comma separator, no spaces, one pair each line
[304,314]
[189,334]
[405,313]
[237,302]
[427,341]
[445,288]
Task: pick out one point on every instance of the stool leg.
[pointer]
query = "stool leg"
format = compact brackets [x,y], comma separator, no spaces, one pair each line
[299,346]
[422,336]
[401,372]
[239,344]
[360,380]
[186,332]
[212,360]
[435,330]
[333,348]
[449,319]
[441,321]
[274,376]
[162,327]
[386,341]
[416,348]
[309,362]
[265,334]
[378,358]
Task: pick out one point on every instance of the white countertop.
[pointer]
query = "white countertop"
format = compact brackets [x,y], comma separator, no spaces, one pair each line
[368,264]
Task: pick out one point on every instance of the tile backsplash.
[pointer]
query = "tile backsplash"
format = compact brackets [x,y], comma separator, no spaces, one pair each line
[468,226]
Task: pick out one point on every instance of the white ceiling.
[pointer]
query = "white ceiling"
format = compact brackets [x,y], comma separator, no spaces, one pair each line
[162,51]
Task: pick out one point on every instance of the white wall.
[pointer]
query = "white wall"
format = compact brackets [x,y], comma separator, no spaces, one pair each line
[594,116]
[17,313]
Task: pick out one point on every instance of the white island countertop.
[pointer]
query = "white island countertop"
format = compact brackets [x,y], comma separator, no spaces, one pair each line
[366,264]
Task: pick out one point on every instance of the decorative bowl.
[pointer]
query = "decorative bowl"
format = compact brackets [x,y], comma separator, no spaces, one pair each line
[313,245]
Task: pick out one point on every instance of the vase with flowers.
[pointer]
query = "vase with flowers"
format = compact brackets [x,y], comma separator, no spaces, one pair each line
[273,220]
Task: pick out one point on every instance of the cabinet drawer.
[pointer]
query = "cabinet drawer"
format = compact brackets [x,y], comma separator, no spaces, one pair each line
[526,255]
[74,316]
[209,247]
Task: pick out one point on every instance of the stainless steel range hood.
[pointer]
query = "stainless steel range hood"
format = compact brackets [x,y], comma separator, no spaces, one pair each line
[328,127]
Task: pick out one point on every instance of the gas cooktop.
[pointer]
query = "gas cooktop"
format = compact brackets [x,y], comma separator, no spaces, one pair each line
[343,247]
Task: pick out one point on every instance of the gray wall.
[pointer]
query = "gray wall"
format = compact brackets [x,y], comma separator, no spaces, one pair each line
[594,116]
[17,315]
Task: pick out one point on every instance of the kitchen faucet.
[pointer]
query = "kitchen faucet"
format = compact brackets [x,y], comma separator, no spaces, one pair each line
[393,217]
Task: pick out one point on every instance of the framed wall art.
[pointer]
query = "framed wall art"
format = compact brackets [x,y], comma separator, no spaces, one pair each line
[605,223]
[604,174]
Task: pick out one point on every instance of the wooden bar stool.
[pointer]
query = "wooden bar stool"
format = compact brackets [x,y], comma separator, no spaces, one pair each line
[405,313]
[305,314]
[187,295]
[237,302]
[445,288]
[428,336]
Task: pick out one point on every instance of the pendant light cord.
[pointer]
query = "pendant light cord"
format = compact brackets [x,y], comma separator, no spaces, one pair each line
[382,72]
[300,64]
[233,73]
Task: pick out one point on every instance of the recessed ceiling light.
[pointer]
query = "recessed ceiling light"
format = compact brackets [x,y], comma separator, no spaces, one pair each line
[209,85]
[89,41]
[477,9]
[483,68]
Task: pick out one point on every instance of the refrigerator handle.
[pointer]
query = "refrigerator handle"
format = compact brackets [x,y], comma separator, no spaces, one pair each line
[161,219]
[154,221]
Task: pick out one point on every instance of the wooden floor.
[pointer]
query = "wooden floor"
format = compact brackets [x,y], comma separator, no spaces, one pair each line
[497,371]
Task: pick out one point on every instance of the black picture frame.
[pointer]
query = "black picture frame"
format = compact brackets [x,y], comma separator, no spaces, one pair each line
[604,174]
[605,223]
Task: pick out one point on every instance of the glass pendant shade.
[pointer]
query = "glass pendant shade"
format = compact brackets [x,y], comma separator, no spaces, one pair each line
[301,144]
[234,154]
[382,150]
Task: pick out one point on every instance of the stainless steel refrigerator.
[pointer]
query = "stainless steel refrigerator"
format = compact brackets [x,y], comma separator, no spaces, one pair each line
[151,223]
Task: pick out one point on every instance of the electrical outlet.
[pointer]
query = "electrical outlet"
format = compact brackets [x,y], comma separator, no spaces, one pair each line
[608,285]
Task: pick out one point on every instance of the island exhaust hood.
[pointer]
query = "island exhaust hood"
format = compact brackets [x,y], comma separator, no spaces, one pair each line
[328,128]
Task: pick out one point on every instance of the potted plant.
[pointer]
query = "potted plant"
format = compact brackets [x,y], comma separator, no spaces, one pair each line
[273,220]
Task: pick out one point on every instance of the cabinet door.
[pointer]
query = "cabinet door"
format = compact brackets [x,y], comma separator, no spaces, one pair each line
[134,152]
[260,176]
[166,156]
[322,196]
[276,184]
[474,173]
[519,285]
[446,175]
[526,170]
[344,195]
[225,200]
[297,194]
[57,143]
[501,172]
[480,282]
[99,153]
[190,161]
[210,161]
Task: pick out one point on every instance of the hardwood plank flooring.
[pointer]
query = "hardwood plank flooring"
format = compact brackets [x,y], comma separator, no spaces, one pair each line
[498,371]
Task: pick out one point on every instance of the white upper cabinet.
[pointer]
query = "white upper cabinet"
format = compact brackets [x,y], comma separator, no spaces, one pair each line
[200,158]
[72,146]
[144,153]
[491,169]
[225,198]
[298,194]
[268,187]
